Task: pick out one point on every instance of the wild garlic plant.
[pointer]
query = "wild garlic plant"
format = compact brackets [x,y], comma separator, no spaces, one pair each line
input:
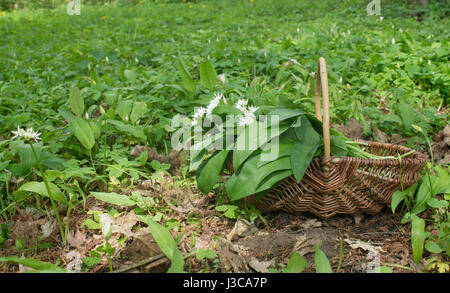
[29,136]
[106,224]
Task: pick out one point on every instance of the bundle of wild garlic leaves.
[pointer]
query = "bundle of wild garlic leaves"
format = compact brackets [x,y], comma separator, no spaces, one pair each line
[265,144]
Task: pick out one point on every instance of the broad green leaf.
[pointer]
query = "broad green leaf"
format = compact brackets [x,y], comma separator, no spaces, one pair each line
[39,266]
[76,101]
[284,114]
[90,224]
[436,203]
[407,114]
[203,253]
[417,237]
[433,247]
[124,109]
[139,110]
[157,166]
[397,197]
[382,269]
[81,129]
[246,182]
[306,133]
[96,130]
[135,131]
[338,146]
[301,157]
[196,159]
[114,198]
[242,150]
[162,237]
[177,264]
[321,262]
[130,75]
[209,173]
[297,263]
[40,188]
[273,178]
[284,150]
[208,75]
[188,82]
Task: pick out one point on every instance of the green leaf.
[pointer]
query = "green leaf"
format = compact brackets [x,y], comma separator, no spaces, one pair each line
[242,150]
[177,265]
[203,253]
[128,129]
[417,237]
[40,188]
[306,133]
[246,182]
[157,166]
[90,224]
[321,262]
[114,198]
[139,110]
[39,266]
[338,147]
[208,76]
[301,157]
[124,109]
[209,172]
[165,242]
[81,129]
[96,130]
[397,197]
[407,114]
[382,269]
[130,75]
[437,204]
[76,101]
[273,178]
[188,82]
[433,247]
[297,263]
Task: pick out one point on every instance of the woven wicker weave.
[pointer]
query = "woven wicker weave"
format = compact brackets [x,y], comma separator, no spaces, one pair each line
[344,185]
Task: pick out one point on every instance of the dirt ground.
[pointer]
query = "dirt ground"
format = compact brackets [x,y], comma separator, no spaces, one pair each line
[240,246]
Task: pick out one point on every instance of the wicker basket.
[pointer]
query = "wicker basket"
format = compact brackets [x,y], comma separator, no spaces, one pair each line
[343,185]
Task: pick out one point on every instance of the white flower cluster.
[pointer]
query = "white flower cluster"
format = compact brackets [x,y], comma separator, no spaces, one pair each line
[249,112]
[26,134]
[200,112]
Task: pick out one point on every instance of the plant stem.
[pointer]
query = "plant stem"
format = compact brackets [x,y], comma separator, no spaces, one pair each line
[55,209]
[341,254]
[92,161]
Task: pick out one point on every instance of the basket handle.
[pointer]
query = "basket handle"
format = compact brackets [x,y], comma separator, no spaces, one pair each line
[322,88]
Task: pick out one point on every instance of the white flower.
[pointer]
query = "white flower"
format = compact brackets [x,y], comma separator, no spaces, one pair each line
[381,18]
[221,77]
[194,122]
[241,104]
[393,41]
[199,112]
[213,104]
[106,223]
[252,109]
[26,134]
[247,119]
[340,79]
